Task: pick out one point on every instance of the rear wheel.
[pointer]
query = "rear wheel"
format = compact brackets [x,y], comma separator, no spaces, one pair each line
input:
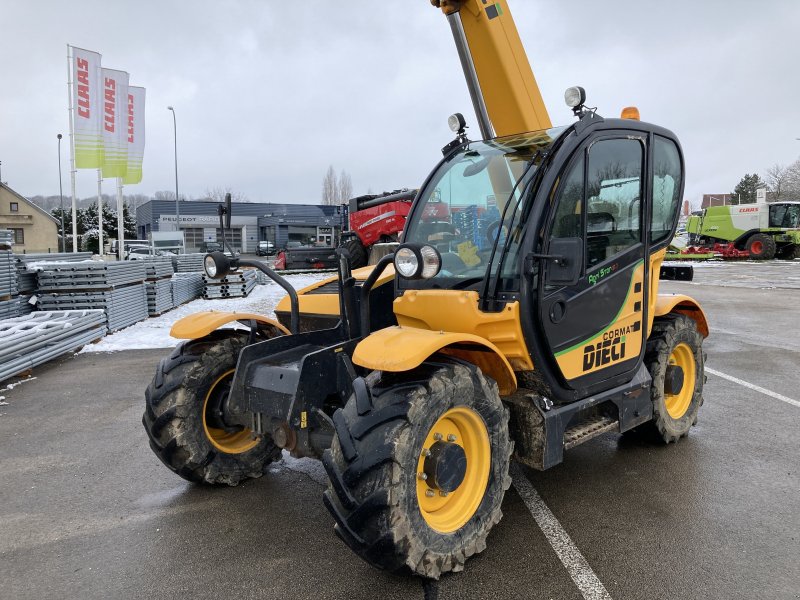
[358,254]
[184,418]
[789,252]
[674,358]
[419,467]
[761,247]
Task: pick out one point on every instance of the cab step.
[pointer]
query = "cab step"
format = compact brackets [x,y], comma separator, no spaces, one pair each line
[588,429]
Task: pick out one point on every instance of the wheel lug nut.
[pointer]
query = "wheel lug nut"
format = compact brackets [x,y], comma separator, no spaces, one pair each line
[443,494]
[451,438]
[429,493]
[437,437]
[426,452]
[423,476]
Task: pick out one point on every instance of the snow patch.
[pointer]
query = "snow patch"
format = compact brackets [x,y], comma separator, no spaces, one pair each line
[11,386]
[154,332]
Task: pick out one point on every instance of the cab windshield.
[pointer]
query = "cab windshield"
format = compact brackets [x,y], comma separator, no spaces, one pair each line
[473,199]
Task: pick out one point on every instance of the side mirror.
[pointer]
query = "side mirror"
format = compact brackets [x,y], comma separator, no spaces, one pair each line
[564,261]
[228,210]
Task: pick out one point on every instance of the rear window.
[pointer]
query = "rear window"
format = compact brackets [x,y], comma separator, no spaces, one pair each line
[667,179]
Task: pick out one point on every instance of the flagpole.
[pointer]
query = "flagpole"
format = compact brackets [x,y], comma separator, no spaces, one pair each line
[100,212]
[120,222]
[72,152]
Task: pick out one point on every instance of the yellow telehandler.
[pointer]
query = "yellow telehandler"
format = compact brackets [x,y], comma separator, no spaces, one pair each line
[527,321]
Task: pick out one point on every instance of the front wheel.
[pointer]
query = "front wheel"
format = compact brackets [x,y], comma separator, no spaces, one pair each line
[185,422]
[358,254]
[419,467]
[675,360]
[761,247]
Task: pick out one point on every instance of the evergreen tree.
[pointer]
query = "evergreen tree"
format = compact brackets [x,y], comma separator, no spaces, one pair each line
[745,190]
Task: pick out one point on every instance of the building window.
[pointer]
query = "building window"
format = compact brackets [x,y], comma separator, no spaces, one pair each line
[19,235]
[15,207]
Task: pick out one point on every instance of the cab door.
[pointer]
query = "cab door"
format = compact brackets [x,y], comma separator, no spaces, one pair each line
[594,323]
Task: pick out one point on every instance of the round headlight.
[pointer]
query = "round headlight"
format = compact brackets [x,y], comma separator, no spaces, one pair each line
[575,96]
[216,265]
[210,266]
[431,262]
[456,122]
[406,262]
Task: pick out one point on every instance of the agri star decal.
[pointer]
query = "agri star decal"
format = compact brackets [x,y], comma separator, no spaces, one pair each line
[608,350]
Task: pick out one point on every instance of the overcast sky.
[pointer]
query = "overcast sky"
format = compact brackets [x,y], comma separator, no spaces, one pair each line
[269,93]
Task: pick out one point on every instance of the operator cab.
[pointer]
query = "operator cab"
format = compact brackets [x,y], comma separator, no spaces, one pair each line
[570,222]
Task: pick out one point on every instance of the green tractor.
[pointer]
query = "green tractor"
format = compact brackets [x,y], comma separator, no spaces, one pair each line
[764,231]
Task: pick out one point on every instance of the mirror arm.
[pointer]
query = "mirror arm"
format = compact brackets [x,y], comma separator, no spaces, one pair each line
[560,260]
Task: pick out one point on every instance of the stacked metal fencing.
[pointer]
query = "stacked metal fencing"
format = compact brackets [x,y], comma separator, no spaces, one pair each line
[117,288]
[6,239]
[26,342]
[8,275]
[15,307]
[186,287]
[159,297]
[234,285]
[27,264]
[188,263]
[159,285]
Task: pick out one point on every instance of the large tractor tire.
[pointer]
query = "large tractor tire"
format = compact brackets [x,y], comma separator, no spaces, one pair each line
[183,418]
[761,247]
[675,359]
[419,467]
[789,252]
[358,254]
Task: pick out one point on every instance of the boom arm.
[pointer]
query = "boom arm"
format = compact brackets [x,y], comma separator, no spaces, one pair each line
[504,92]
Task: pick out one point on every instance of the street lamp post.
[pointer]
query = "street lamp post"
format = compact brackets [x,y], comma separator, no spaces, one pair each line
[175,135]
[61,195]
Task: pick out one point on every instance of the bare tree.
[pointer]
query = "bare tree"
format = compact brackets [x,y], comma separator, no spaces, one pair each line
[783,181]
[330,188]
[217,194]
[164,195]
[777,179]
[345,188]
[793,181]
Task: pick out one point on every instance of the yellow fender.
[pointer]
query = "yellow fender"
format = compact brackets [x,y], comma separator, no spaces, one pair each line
[398,349]
[684,305]
[201,324]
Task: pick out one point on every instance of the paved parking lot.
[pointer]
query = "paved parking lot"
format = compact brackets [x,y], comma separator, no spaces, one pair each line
[87,511]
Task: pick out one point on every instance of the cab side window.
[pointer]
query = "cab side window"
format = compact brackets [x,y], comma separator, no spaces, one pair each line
[614,192]
[667,180]
[568,222]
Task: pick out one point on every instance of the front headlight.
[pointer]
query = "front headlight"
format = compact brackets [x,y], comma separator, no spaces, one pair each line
[406,262]
[431,262]
[210,266]
[216,265]
[413,261]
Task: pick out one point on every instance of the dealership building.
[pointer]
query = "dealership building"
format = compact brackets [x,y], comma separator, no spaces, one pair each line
[251,223]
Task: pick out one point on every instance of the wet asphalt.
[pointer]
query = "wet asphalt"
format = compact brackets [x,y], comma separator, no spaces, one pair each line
[87,511]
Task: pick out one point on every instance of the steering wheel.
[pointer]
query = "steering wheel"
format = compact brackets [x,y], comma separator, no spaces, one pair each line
[494,230]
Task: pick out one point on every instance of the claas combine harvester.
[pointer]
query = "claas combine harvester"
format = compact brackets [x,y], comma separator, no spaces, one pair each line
[524,323]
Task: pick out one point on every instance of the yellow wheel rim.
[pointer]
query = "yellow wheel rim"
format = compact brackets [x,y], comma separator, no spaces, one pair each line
[677,404]
[448,513]
[230,443]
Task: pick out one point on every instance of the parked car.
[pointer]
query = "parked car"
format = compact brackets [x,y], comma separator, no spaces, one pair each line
[141,253]
[207,247]
[265,249]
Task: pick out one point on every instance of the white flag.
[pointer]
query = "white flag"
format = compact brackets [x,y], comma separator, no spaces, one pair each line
[115,123]
[87,97]
[135,135]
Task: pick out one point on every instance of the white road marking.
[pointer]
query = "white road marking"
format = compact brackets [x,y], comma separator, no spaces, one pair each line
[757,388]
[589,585]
